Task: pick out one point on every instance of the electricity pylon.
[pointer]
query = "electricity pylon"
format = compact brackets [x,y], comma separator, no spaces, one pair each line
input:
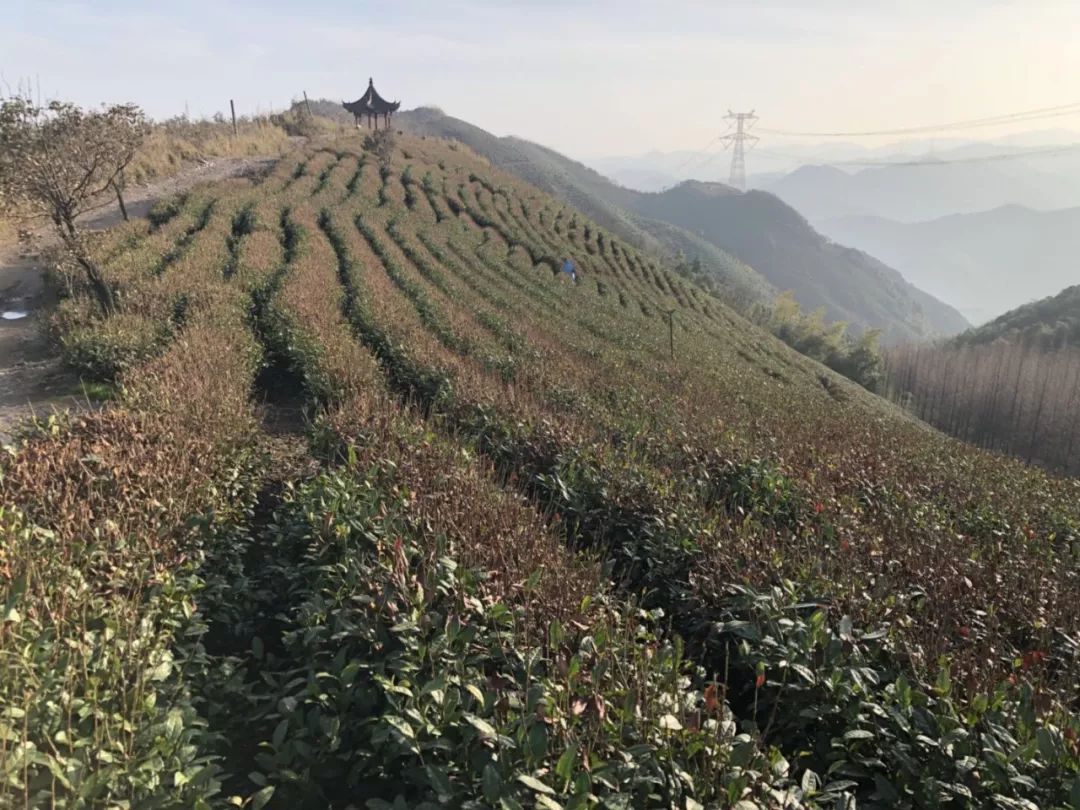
[744,122]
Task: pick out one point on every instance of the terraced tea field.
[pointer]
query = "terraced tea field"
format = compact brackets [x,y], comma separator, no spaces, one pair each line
[388,512]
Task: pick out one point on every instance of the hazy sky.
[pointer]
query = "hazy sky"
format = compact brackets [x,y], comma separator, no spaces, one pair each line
[589,79]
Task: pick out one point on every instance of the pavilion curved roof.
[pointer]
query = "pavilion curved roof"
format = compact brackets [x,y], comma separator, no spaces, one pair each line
[371,103]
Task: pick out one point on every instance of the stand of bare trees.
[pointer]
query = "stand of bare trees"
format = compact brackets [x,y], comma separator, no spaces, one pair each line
[1016,398]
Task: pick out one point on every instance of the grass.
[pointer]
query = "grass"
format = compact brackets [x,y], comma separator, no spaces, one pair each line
[508,551]
[176,144]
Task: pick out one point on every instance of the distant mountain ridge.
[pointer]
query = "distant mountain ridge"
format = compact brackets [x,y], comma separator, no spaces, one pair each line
[733,233]
[778,242]
[985,263]
[918,193]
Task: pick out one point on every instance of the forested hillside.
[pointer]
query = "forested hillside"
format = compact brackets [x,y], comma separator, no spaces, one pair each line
[780,244]
[1053,322]
[387,511]
[1012,385]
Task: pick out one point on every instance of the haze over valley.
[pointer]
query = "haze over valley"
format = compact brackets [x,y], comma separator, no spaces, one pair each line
[981,225]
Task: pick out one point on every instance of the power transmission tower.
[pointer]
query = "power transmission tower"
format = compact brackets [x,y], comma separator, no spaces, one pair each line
[744,122]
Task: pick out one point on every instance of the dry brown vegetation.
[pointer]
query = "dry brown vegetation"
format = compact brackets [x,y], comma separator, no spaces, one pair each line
[178,142]
[173,145]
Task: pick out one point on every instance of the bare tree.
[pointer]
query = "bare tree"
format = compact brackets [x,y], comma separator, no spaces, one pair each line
[56,160]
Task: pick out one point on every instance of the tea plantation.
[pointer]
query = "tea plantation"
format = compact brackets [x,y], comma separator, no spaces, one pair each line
[386,511]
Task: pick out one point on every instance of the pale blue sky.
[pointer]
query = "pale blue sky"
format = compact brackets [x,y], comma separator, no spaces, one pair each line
[586,78]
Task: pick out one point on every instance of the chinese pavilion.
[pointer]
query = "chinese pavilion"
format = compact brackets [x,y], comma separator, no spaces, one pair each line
[371,104]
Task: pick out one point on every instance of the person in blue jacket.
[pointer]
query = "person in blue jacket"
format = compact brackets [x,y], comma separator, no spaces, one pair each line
[569,269]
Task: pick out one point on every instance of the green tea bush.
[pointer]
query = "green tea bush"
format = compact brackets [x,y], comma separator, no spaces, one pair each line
[395,679]
[102,351]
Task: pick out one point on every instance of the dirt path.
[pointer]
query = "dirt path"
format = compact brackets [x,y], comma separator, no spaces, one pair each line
[32,378]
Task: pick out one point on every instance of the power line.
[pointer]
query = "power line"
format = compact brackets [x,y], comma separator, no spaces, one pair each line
[1048,151]
[1010,118]
[696,155]
[1051,150]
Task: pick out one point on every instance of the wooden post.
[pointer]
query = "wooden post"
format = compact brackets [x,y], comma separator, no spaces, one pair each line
[232,107]
[671,332]
[307,105]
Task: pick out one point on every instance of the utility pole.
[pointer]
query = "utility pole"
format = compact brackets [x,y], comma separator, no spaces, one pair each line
[737,140]
[232,107]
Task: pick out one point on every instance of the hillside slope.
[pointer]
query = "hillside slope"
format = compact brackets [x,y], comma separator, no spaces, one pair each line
[594,195]
[779,243]
[851,286]
[1011,385]
[1051,322]
[983,263]
[389,512]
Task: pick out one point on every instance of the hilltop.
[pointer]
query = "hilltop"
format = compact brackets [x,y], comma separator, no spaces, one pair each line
[387,511]
[757,229]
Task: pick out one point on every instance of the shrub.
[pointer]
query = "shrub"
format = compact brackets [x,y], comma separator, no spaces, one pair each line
[102,351]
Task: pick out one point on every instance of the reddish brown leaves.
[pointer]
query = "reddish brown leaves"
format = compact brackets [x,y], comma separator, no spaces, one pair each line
[712,702]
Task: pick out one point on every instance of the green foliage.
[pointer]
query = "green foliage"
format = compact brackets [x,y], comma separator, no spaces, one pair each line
[102,351]
[1051,323]
[858,359]
[390,678]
